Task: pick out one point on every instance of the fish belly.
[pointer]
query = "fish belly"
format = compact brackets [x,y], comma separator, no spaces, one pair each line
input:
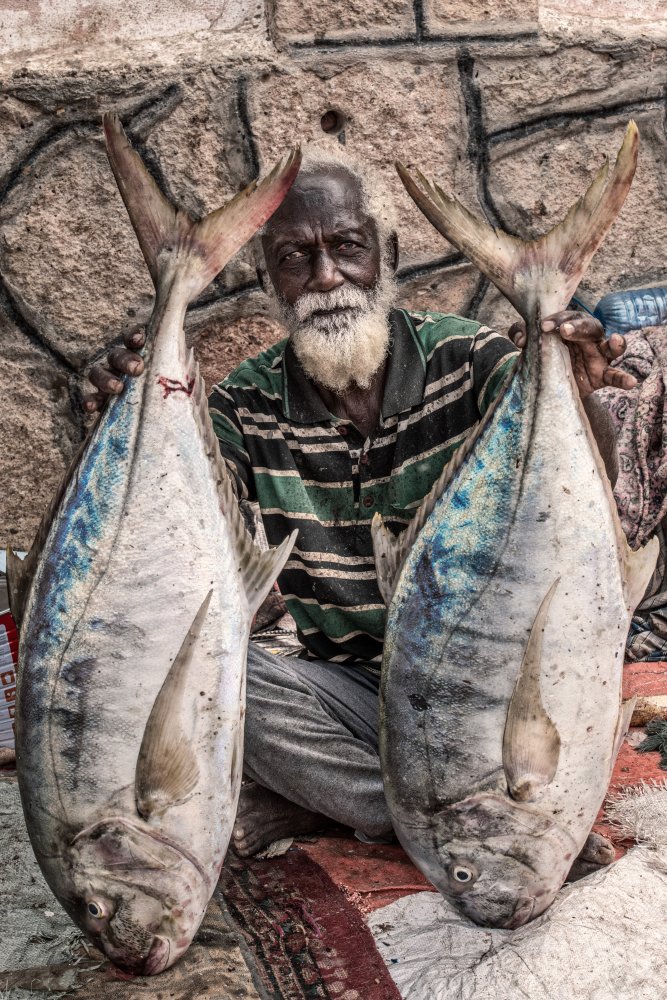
[160,552]
[530,507]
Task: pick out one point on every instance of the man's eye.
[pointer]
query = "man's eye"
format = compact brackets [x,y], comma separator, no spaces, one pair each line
[348,246]
[292,255]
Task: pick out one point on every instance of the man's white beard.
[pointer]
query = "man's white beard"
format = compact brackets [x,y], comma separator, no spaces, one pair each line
[340,350]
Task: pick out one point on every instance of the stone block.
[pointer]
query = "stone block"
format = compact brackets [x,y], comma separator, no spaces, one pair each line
[220,346]
[39,433]
[534,180]
[309,21]
[518,90]
[27,26]
[391,110]
[447,290]
[461,18]
[67,247]
[611,22]
[18,122]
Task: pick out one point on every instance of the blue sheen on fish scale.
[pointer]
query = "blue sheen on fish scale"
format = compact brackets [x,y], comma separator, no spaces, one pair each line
[93,502]
[445,560]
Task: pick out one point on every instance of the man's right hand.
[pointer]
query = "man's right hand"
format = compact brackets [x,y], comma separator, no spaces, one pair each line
[120,361]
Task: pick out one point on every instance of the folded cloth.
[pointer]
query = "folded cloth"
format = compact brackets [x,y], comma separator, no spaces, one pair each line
[640,421]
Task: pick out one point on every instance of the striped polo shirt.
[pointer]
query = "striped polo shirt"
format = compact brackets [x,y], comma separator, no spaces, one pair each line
[310,470]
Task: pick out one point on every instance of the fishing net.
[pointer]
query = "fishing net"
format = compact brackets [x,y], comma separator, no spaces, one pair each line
[603,936]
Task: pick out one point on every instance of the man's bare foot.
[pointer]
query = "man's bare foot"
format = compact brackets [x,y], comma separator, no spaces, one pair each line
[264,816]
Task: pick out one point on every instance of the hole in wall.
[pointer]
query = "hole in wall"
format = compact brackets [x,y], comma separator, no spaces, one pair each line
[332,122]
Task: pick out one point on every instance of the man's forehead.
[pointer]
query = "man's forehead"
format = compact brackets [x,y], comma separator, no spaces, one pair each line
[330,197]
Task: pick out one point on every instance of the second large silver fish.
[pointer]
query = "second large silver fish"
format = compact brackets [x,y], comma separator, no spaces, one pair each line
[510,600]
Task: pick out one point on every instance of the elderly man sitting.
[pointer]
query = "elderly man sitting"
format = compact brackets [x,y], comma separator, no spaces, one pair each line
[356,412]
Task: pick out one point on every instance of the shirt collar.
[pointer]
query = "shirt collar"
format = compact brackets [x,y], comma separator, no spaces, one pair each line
[404,388]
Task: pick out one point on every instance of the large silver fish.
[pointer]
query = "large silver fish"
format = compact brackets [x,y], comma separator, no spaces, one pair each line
[511,596]
[136,602]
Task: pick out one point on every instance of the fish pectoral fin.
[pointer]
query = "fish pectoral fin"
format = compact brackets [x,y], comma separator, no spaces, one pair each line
[531,742]
[639,567]
[168,779]
[167,771]
[160,227]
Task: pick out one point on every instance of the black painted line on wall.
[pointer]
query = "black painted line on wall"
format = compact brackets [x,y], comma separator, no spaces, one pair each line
[12,310]
[249,141]
[547,122]
[423,270]
[477,297]
[466,37]
[48,138]
[419,38]
[478,149]
[420,29]
[223,295]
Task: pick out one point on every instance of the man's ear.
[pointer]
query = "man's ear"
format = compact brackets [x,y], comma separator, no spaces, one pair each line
[393,252]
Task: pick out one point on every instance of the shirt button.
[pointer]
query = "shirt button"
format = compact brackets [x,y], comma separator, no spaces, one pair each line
[342,430]
[369,500]
[365,459]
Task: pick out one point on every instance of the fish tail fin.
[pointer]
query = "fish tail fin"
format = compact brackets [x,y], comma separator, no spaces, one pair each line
[546,270]
[166,233]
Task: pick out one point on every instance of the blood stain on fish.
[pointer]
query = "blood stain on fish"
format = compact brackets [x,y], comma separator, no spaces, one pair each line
[170,385]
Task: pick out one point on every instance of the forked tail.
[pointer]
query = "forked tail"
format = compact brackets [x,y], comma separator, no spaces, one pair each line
[168,235]
[545,272]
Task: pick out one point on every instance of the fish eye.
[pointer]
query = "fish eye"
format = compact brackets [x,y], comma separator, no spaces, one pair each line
[462,874]
[96,909]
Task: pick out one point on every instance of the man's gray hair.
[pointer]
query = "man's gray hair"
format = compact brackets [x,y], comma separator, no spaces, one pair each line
[377,200]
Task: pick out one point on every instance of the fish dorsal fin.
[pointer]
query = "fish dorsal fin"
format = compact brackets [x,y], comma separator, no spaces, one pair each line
[258,568]
[161,228]
[20,573]
[390,550]
[167,771]
[546,270]
[531,743]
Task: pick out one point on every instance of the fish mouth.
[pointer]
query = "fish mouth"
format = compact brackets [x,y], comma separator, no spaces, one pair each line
[157,959]
[523,912]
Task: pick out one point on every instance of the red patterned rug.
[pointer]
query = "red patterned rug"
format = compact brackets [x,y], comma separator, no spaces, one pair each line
[306,938]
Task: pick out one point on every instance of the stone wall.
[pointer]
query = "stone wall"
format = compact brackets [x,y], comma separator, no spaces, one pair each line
[511,106]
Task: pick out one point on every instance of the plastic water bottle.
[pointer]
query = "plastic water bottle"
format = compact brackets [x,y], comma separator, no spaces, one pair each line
[620,312]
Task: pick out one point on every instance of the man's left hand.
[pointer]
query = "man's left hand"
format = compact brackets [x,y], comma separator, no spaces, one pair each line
[590,353]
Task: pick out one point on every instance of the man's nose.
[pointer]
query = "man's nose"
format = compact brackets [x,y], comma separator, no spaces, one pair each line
[324,274]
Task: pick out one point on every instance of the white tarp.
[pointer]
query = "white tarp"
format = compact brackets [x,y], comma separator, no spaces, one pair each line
[604,938]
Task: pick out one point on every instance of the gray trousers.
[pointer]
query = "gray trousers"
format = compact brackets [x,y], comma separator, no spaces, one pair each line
[311,734]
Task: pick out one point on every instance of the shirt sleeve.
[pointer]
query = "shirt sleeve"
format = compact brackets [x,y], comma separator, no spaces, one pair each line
[229,433]
[492,357]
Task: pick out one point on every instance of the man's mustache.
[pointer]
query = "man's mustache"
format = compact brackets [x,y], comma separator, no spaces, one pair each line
[310,304]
